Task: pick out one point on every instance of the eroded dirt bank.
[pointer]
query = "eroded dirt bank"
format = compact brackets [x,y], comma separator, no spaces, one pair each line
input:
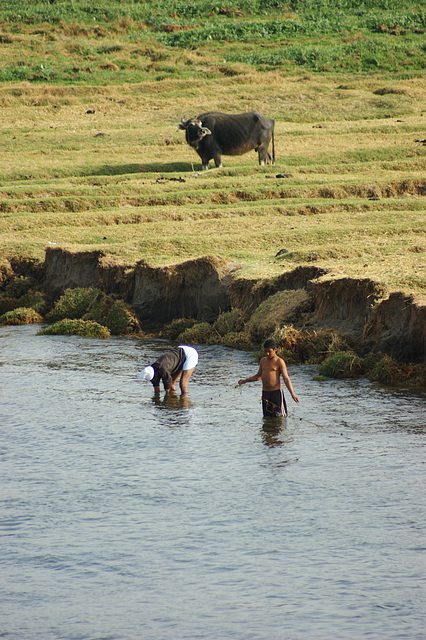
[203,288]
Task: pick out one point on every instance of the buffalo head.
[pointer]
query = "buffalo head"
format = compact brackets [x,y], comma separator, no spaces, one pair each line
[194,131]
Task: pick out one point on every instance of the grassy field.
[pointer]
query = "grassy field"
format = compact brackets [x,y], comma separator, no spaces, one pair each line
[91,158]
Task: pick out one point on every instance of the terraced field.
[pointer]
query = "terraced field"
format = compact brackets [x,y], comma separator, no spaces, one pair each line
[93,160]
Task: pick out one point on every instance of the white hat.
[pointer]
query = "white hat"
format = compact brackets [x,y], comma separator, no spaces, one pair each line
[147,374]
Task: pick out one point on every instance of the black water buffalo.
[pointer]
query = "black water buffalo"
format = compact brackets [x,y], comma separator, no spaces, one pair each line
[215,134]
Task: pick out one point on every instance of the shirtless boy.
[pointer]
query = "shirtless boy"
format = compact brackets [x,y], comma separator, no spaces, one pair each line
[271,367]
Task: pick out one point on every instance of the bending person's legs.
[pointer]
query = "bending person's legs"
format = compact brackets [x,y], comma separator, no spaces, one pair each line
[174,378]
[189,365]
[184,379]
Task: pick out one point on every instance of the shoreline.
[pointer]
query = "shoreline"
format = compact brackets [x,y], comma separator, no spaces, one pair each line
[206,300]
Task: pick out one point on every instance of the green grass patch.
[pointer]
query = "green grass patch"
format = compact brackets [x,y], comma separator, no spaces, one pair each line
[342,365]
[362,57]
[76,42]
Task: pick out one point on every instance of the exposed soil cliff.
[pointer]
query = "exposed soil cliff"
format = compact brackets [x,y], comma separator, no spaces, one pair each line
[398,327]
[248,294]
[194,289]
[203,288]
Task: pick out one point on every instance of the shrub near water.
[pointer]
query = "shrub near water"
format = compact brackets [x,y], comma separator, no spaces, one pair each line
[385,370]
[94,305]
[175,329]
[113,314]
[8,304]
[35,300]
[200,333]
[237,340]
[274,312]
[18,292]
[308,347]
[74,303]
[84,328]
[227,330]
[342,365]
[21,315]
[32,300]
[229,322]
[17,287]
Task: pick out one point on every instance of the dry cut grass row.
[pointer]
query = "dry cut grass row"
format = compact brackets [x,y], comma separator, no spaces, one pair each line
[76,200]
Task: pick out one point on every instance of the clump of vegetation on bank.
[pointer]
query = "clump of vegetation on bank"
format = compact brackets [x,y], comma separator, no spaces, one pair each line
[199,333]
[113,314]
[17,286]
[84,328]
[227,330]
[173,330]
[21,315]
[229,322]
[383,369]
[237,340]
[19,292]
[277,310]
[74,303]
[21,303]
[336,356]
[342,365]
[309,347]
[90,304]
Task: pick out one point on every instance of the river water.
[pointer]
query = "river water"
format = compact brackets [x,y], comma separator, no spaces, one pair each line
[123,518]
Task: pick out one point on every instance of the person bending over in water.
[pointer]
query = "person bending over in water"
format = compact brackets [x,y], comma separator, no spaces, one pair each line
[180,361]
[271,367]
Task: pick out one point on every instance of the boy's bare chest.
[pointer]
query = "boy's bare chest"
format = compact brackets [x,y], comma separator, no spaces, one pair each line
[270,367]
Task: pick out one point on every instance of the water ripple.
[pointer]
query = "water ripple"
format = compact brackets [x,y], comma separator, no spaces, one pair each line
[124,517]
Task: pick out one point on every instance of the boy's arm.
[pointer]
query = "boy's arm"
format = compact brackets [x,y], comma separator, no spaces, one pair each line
[257,376]
[287,380]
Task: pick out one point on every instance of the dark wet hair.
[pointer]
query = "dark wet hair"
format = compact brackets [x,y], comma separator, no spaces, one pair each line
[269,344]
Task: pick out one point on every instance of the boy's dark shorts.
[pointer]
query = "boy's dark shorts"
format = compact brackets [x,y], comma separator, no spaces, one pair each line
[273,403]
